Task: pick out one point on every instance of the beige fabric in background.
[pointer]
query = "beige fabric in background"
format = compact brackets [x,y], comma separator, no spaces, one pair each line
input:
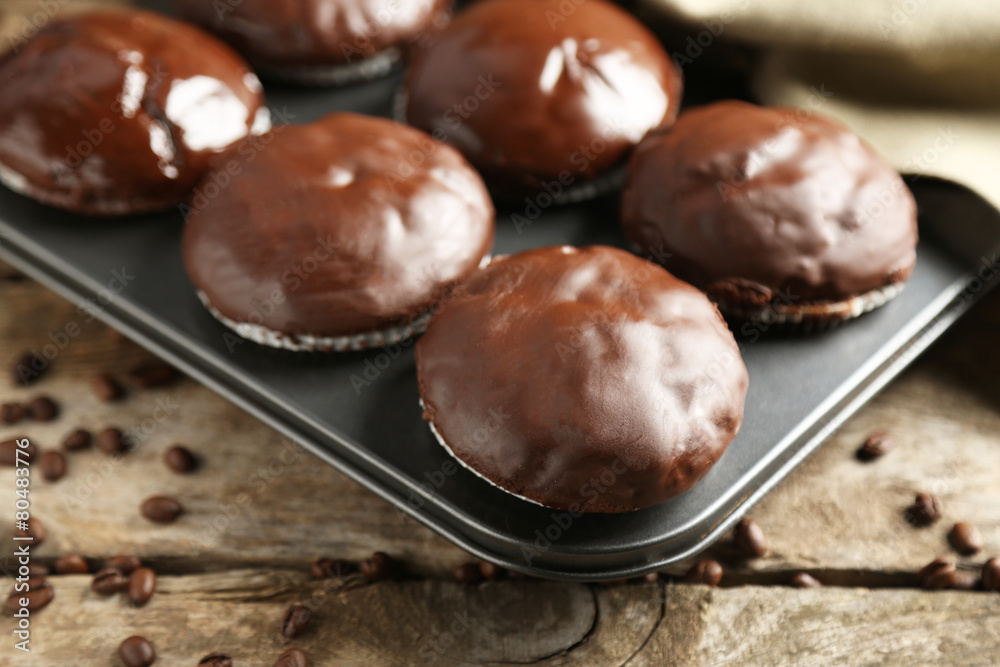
[919,79]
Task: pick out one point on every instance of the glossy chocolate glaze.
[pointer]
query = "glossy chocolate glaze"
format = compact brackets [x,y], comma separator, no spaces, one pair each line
[346,225]
[287,33]
[119,112]
[554,367]
[534,90]
[758,204]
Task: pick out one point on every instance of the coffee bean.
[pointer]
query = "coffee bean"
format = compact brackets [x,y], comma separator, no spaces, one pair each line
[115,336]
[137,652]
[110,441]
[8,452]
[705,571]
[467,574]
[153,375]
[78,439]
[124,564]
[804,580]
[750,539]
[293,657]
[180,459]
[11,413]
[42,409]
[327,568]
[965,581]
[107,388]
[35,529]
[938,574]
[161,509]
[37,570]
[991,575]
[966,538]
[925,510]
[489,571]
[876,446]
[295,620]
[379,567]
[141,586]
[38,595]
[53,465]
[28,369]
[71,564]
[216,660]
[108,581]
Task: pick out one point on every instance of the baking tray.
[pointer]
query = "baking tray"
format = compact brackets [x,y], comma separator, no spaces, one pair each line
[801,388]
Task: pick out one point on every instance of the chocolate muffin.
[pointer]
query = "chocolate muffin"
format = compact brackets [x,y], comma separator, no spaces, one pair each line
[774,212]
[543,95]
[121,112]
[583,379]
[324,42]
[336,235]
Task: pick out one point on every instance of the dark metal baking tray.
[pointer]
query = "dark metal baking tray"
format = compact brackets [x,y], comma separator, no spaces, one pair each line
[801,388]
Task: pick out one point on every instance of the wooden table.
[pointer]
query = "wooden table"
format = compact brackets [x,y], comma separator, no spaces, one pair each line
[260,510]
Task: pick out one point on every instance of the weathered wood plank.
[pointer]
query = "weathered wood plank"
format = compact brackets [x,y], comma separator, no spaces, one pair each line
[518,622]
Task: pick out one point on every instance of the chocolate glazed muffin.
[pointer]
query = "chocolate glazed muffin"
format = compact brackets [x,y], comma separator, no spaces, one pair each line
[774,212]
[336,235]
[583,379]
[543,95]
[121,112]
[325,42]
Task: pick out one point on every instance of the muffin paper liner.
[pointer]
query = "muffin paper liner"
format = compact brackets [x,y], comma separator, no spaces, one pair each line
[306,343]
[806,318]
[368,69]
[610,181]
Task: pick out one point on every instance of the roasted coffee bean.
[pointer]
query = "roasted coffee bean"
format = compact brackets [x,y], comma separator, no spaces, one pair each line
[8,452]
[965,581]
[39,594]
[925,510]
[153,375]
[35,529]
[379,567]
[876,446]
[966,538]
[37,570]
[125,564]
[295,620]
[467,574]
[804,580]
[327,568]
[489,571]
[706,571]
[42,409]
[216,660]
[110,441]
[750,539]
[28,369]
[293,657]
[78,439]
[11,413]
[52,465]
[137,652]
[180,459]
[107,388]
[141,586]
[71,564]
[161,509]
[108,581]
[115,336]
[991,575]
[938,574]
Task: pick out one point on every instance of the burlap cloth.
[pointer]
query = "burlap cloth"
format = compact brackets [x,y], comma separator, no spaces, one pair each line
[919,79]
